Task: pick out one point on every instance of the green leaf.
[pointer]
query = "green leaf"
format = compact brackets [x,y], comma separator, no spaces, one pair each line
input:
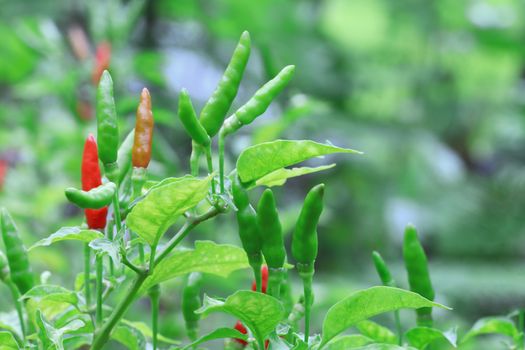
[7,341]
[384,347]
[376,332]
[349,342]
[50,336]
[219,333]
[52,293]
[148,333]
[10,321]
[492,325]
[105,246]
[421,337]
[279,177]
[207,257]
[69,233]
[259,312]
[130,337]
[264,158]
[367,303]
[160,208]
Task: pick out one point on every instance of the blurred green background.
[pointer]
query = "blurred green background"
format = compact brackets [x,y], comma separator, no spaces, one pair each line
[432,91]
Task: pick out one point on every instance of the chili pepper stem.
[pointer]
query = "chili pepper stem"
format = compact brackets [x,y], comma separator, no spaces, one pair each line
[306,271]
[100,291]
[209,161]
[257,275]
[275,279]
[87,273]
[138,178]
[102,335]
[196,152]
[399,328]
[222,139]
[18,305]
[521,328]
[154,294]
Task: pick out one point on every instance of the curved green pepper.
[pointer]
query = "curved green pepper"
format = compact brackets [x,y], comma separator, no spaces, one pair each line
[214,111]
[189,120]
[124,155]
[259,102]
[107,125]
[418,275]
[191,301]
[382,270]
[96,198]
[16,253]
[249,232]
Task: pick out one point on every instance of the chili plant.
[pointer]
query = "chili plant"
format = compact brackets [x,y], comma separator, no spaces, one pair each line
[125,231]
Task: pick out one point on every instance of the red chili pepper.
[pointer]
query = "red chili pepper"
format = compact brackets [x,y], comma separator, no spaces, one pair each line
[240,327]
[102,60]
[96,218]
[3,172]
[264,273]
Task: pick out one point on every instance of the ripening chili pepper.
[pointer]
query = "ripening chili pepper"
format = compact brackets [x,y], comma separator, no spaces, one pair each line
[102,61]
[259,102]
[272,240]
[96,218]
[418,275]
[107,126]
[382,270]
[191,301]
[264,274]
[249,232]
[214,111]
[95,198]
[3,172]
[304,246]
[16,252]
[4,268]
[141,151]
[189,119]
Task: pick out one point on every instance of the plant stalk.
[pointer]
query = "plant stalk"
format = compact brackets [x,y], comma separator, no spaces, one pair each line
[18,305]
[100,289]
[87,274]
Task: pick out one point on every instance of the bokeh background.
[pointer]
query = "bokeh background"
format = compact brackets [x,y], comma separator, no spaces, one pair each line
[432,91]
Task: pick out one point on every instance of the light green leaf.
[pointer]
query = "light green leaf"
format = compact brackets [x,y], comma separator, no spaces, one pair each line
[421,337]
[50,336]
[264,158]
[349,342]
[492,325]
[259,312]
[7,341]
[10,321]
[52,293]
[161,207]
[279,177]
[148,333]
[130,337]
[367,303]
[376,332]
[105,246]
[384,347]
[207,257]
[219,333]
[69,233]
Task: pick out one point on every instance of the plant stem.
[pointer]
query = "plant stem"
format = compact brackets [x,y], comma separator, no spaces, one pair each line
[18,305]
[154,294]
[398,327]
[275,278]
[209,160]
[87,274]
[222,137]
[194,159]
[257,276]
[307,273]
[100,289]
[102,335]
[521,326]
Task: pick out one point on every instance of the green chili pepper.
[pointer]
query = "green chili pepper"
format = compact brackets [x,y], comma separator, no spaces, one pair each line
[272,240]
[124,155]
[191,301]
[107,126]
[382,270]
[4,269]
[16,253]
[214,111]
[249,232]
[304,246]
[93,199]
[386,278]
[418,275]
[259,102]
[189,120]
